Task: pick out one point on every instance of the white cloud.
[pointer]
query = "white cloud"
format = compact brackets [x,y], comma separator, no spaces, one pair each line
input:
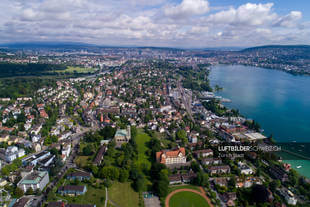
[248,15]
[154,23]
[187,8]
[289,20]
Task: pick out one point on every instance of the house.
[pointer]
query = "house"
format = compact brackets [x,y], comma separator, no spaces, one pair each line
[221,169]
[65,135]
[79,175]
[175,179]
[221,181]
[56,204]
[43,114]
[122,136]
[278,173]
[288,196]
[35,180]
[73,190]
[37,147]
[36,129]
[188,177]
[203,153]
[167,157]
[248,182]
[65,152]
[11,153]
[35,138]
[211,161]
[4,138]
[244,169]
[99,156]
[229,198]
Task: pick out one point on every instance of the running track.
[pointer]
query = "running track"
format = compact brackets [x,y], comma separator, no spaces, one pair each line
[201,193]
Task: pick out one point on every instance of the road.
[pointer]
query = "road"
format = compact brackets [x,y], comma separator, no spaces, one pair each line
[186,99]
[106,197]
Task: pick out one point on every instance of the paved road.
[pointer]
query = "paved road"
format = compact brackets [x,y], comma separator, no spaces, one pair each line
[106,197]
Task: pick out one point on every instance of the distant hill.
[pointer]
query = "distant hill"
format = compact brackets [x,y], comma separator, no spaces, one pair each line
[305,48]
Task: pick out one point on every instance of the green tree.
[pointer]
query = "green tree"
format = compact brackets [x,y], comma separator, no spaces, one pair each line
[18,192]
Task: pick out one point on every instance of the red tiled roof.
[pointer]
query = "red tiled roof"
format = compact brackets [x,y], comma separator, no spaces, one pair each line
[172,153]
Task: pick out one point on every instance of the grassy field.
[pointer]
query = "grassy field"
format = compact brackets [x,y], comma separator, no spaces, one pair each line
[123,195]
[72,69]
[82,161]
[187,199]
[141,139]
[92,196]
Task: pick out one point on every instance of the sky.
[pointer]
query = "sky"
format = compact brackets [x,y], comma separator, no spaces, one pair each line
[162,23]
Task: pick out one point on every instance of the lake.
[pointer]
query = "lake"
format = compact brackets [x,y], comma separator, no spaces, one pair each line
[279,101]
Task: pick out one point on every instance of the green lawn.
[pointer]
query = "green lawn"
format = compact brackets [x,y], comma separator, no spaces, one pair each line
[92,196]
[187,199]
[72,69]
[123,195]
[141,139]
[82,161]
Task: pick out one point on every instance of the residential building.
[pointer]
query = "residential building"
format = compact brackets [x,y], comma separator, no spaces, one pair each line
[203,153]
[167,157]
[35,180]
[79,175]
[72,190]
[221,169]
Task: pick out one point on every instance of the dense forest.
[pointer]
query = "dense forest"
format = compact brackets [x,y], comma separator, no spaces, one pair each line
[12,69]
[19,87]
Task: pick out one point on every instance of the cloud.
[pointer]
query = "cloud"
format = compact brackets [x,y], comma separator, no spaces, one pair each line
[289,20]
[248,15]
[187,8]
[153,23]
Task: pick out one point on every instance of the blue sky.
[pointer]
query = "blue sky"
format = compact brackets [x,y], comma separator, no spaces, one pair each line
[170,23]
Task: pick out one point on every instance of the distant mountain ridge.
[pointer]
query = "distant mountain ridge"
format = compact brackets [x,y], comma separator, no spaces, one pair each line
[272,47]
[74,45]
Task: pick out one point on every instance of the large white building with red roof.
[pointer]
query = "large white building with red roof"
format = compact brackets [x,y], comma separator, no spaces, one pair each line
[168,157]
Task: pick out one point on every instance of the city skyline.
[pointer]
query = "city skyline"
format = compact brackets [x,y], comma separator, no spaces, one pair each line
[184,23]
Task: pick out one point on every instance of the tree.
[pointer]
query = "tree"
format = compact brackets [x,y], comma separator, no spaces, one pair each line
[139,183]
[195,166]
[181,134]
[18,192]
[274,185]
[161,185]
[29,191]
[87,150]
[123,175]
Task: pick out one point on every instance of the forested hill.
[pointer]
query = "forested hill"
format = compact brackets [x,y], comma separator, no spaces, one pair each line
[291,51]
[12,69]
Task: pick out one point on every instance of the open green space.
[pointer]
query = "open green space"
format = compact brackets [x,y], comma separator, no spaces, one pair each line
[187,199]
[123,195]
[74,69]
[142,139]
[82,161]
